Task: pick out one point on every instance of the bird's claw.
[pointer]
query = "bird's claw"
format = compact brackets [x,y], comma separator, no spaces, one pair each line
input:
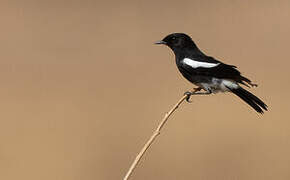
[188,94]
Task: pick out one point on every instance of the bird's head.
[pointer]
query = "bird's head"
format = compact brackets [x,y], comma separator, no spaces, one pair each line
[177,41]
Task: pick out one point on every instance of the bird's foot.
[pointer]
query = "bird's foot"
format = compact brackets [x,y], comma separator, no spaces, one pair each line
[195,92]
[188,94]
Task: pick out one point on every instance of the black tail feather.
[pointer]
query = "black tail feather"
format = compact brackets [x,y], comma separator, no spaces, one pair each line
[251,99]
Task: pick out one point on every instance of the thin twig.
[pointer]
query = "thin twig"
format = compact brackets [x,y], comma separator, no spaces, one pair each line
[154,135]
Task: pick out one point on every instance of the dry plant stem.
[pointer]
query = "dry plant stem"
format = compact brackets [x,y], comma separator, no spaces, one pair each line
[154,135]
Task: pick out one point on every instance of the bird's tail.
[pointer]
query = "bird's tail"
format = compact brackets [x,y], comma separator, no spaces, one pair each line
[250,99]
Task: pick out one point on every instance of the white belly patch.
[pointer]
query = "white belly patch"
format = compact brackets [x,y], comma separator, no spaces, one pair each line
[219,85]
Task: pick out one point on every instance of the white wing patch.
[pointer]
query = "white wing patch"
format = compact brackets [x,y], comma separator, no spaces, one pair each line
[197,64]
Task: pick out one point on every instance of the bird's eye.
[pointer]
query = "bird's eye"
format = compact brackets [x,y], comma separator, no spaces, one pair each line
[173,38]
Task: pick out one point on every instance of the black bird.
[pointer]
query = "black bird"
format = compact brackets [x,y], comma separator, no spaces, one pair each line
[208,73]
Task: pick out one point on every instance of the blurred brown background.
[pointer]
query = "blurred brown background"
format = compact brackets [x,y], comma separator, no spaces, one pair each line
[83,87]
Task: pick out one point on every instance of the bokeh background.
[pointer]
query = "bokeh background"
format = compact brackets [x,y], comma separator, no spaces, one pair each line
[83,87]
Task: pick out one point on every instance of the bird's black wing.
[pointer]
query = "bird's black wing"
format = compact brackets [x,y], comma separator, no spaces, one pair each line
[221,70]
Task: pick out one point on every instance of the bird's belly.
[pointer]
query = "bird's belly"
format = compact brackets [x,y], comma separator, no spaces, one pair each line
[210,84]
[216,85]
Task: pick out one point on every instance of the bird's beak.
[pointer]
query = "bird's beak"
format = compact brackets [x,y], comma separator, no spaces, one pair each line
[160,42]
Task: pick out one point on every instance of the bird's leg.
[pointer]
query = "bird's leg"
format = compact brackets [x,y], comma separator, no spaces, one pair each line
[202,93]
[197,89]
[195,92]
[206,92]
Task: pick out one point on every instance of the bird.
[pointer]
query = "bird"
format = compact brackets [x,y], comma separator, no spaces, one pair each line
[210,75]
